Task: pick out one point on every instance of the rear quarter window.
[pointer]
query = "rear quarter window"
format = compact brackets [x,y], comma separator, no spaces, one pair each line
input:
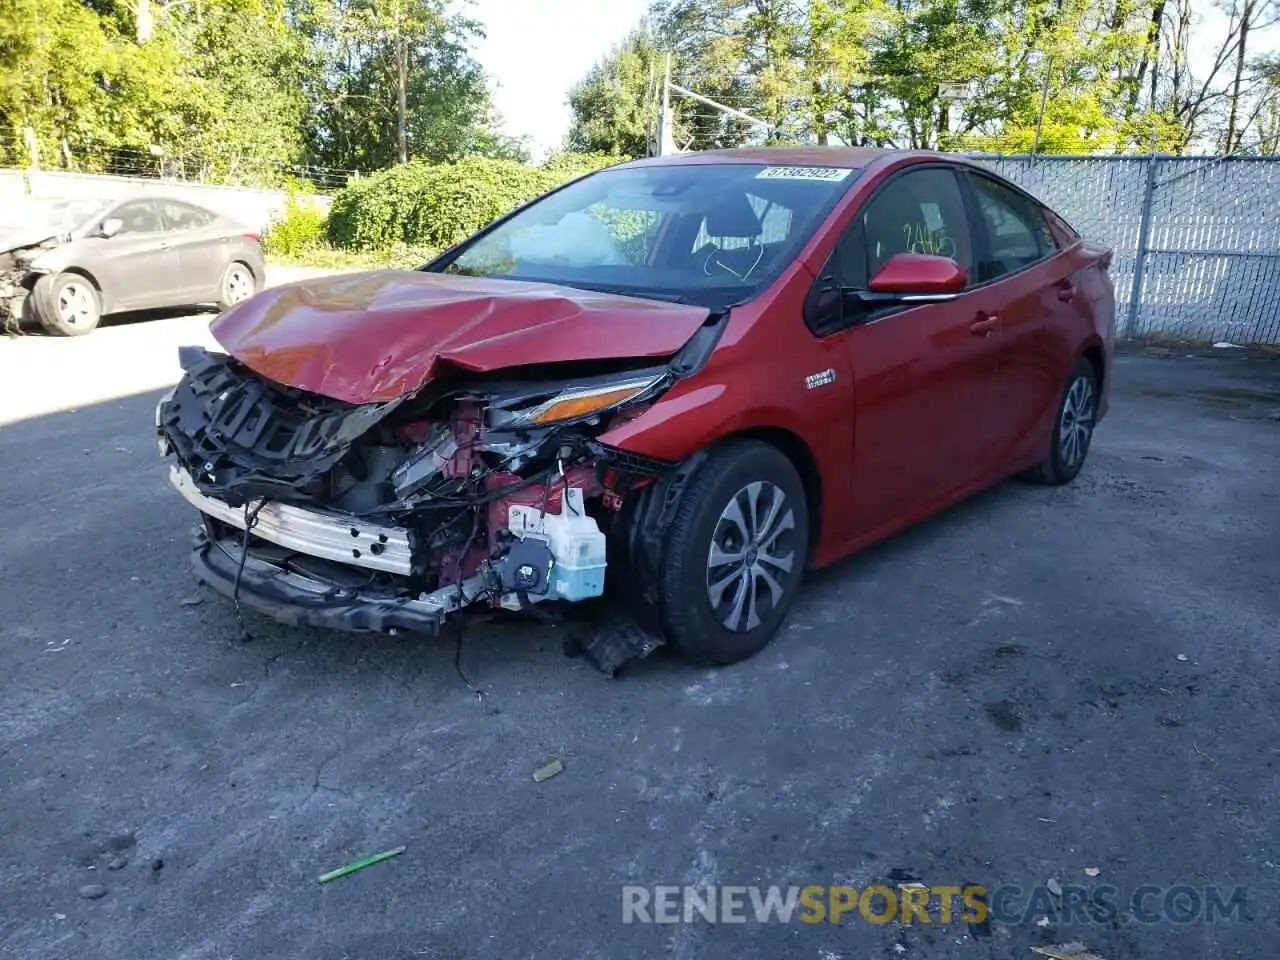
[1063,233]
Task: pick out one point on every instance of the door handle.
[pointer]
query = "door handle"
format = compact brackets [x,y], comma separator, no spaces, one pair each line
[164,246]
[985,325]
[1066,292]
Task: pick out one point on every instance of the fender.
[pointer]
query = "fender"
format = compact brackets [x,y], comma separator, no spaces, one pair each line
[739,398]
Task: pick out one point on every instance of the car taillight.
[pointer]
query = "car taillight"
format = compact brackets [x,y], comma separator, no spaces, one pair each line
[255,237]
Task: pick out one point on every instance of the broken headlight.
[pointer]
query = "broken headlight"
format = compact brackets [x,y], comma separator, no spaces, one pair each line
[577,403]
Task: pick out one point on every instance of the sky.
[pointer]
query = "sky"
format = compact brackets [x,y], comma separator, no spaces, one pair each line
[535,50]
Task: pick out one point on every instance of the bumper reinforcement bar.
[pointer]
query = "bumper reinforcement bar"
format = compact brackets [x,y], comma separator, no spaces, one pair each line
[330,536]
[297,599]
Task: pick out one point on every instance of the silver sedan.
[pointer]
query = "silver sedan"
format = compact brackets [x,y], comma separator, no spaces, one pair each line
[66,264]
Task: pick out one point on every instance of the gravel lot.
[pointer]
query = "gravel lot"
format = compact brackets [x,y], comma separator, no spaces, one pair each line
[1035,684]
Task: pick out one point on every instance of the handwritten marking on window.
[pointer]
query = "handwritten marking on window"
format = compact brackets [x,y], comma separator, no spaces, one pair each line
[920,239]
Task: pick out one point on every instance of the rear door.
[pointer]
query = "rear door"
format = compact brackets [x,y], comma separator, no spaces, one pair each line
[1024,282]
[922,374]
[137,268]
[200,245]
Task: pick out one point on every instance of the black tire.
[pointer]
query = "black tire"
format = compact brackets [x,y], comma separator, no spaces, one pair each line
[1065,458]
[237,285]
[693,626]
[66,304]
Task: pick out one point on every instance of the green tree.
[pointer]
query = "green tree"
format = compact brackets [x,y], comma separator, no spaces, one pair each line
[614,107]
[394,80]
[1060,75]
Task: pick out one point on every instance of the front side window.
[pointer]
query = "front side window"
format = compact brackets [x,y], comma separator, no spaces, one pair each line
[1015,229]
[712,234]
[138,216]
[920,211]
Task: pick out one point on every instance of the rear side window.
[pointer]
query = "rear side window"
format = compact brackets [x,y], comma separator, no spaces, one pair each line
[1017,233]
[919,211]
[183,217]
[1063,233]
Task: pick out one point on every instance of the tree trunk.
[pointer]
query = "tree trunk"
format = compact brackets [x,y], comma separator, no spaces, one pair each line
[1153,46]
[819,104]
[1233,117]
[402,98]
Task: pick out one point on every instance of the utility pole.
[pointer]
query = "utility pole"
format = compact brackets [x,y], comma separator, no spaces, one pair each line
[666,137]
[402,94]
[1044,98]
[666,126]
[756,121]
[144,23]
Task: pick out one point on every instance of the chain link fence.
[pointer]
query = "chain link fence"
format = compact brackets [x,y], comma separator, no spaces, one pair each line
[1196,239]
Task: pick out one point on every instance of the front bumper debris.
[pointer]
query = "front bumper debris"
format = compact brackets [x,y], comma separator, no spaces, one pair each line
[392,516]
[269,586]
[348,540]
[13,297]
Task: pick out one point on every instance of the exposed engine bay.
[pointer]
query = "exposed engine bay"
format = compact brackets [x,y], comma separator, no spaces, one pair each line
[15,281]
[477,489]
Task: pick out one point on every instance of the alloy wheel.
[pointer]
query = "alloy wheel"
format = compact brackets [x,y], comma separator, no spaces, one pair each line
[1076,426]
[76,305]
[239,285]
[750,565]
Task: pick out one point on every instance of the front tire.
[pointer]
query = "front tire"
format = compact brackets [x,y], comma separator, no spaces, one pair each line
[1072,428]
[66,304]
[735,554]
[238,284]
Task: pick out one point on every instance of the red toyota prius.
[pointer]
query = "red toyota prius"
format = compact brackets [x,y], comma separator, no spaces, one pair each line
[678,383]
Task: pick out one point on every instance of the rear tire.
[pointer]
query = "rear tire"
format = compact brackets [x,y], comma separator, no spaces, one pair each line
[238,285]
[66,304]
[735,554]
[1073,426]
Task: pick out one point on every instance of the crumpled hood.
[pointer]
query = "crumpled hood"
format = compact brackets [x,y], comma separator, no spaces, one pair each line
[14,236]
[373,337]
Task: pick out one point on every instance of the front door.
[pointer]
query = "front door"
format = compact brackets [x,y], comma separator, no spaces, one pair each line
[137,268]
[923,375]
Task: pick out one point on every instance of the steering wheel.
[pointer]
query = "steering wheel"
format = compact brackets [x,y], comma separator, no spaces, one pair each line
[739,264]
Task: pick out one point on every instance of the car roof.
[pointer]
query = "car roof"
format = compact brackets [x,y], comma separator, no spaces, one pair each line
[856,158]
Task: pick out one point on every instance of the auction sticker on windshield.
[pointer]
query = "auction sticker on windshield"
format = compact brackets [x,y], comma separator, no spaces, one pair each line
[833,174]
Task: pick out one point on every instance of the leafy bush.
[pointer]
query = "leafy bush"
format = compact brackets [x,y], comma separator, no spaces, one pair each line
[301,228]
[419,204]
[398,257]
[455,200]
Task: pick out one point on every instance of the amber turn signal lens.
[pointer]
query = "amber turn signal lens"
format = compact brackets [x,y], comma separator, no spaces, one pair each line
[572,407]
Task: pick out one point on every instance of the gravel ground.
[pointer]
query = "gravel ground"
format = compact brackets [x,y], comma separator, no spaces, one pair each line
[1036,684]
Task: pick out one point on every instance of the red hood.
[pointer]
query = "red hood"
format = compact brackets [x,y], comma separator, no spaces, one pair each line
[369,337]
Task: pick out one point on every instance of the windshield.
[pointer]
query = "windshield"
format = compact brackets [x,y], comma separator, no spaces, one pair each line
[711,234]
[57,216]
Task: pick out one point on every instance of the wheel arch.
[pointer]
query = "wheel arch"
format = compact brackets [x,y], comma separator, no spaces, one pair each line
[1093,353]
[242,261]
[793,447]
[32,279]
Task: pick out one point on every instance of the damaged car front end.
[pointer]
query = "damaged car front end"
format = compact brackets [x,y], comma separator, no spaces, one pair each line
[479,488]
[17,276]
